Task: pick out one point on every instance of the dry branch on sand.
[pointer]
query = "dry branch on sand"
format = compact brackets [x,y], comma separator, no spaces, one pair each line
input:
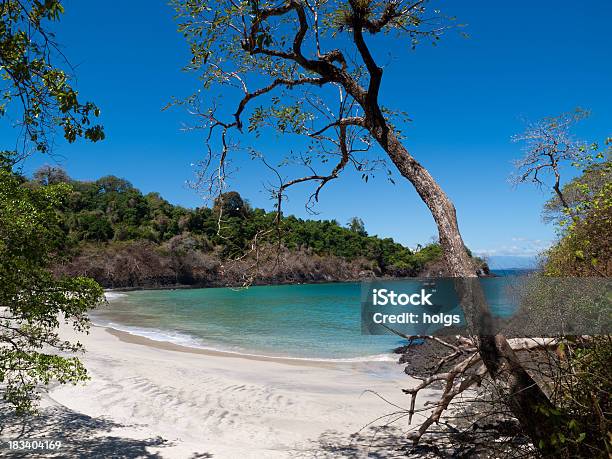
[459,370]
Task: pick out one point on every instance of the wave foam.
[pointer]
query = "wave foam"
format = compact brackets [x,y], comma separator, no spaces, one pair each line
[110,295]
[183,339]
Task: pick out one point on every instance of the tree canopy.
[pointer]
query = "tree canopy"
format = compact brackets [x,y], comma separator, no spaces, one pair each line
[38,98]
[290,70]
[33,302]
[585,225]
[37,92]
[111,209]
[583,376]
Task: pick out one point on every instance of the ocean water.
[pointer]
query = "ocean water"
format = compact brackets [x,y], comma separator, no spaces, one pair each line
[316,321]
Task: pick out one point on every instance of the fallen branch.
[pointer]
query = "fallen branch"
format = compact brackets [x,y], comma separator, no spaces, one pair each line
[463,375]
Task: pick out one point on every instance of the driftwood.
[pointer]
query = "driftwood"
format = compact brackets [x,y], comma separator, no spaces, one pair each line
[466,371]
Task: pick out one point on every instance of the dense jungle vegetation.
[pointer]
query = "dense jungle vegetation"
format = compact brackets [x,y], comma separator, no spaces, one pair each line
[123,238]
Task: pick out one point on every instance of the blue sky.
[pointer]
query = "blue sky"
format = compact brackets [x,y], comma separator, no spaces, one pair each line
[467,97]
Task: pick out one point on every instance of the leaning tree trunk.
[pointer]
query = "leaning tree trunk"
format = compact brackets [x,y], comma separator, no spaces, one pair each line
[523,394]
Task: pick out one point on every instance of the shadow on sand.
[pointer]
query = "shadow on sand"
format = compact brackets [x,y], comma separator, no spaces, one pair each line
[82,436]
[371,443]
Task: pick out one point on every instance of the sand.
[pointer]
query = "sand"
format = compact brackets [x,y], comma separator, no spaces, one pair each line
[153,399]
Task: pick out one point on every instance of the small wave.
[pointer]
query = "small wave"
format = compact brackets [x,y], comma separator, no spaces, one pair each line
[153,334]
[183,339]
[110,295]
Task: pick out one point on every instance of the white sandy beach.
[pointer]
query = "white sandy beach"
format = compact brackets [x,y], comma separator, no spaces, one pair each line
[152,399]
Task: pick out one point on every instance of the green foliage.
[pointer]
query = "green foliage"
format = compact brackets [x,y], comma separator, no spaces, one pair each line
[580,419]
[94,227]
[585,245]
[230,204]
[582,190]
[39,92]
[583,375]
[356,225]
[32,300]
[111,210]
[295,69]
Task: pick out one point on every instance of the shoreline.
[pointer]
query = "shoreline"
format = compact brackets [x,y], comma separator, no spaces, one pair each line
[172,339]
[177,402]
[255,284]
[132,338]
[135,335]
[238,287]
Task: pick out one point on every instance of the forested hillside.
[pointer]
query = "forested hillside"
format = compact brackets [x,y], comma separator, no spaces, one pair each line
[584,249]
[123,238]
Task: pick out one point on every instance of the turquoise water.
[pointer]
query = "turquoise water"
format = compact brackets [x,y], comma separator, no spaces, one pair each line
[320,321]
